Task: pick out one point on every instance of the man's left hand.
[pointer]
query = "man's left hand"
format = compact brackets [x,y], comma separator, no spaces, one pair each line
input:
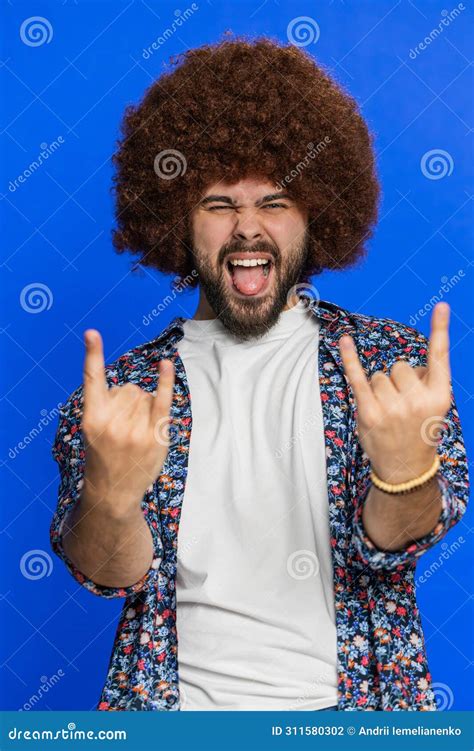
[399,415]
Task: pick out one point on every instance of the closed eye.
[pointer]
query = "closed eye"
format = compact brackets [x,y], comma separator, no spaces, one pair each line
[266,206]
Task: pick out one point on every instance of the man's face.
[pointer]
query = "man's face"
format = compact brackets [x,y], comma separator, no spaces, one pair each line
[250,247]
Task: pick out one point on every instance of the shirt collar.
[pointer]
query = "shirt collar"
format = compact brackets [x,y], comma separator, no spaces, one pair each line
[326,312]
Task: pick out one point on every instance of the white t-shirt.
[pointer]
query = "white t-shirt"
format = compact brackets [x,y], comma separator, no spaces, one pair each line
[255,602]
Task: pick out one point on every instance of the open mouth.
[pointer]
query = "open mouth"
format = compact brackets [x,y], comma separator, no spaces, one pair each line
[249,277]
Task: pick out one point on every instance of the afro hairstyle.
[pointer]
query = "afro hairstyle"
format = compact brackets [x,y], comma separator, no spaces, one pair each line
[243,108]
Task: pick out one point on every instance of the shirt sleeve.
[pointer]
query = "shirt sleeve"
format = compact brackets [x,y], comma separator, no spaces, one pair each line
[453,483]
[68,452]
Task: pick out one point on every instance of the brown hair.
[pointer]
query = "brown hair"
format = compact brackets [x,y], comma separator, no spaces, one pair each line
[235,109]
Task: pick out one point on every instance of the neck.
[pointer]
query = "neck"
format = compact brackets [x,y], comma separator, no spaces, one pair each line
[204,312]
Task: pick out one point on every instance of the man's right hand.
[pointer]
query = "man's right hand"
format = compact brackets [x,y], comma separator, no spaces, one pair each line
[126,434]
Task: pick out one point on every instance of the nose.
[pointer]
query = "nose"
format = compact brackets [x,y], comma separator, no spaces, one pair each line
[247,227]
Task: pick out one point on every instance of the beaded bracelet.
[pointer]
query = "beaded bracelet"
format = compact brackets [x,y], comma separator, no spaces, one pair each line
[406,487]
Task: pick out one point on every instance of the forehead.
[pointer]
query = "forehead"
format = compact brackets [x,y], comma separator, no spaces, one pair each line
[246,189]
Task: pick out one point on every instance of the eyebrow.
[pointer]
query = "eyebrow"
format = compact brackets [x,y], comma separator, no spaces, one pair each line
[227,199]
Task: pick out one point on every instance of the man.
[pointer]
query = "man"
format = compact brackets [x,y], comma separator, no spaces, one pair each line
[306,455]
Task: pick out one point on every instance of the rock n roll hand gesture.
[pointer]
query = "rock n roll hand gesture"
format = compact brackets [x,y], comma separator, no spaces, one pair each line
[399,413]
[125,430]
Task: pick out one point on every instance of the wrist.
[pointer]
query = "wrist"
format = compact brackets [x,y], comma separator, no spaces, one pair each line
[397,470]
[422,480]
[117,505]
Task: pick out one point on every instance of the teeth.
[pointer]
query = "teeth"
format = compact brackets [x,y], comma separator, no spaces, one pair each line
[251,262]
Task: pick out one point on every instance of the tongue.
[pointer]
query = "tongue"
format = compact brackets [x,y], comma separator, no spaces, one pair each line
[249,279]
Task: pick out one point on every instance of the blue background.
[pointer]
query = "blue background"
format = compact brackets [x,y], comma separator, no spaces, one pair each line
[58,224]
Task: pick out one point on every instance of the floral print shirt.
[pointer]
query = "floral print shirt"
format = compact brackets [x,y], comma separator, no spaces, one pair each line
[381,655]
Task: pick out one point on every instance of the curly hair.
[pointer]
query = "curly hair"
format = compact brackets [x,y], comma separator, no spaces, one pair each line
[235,109]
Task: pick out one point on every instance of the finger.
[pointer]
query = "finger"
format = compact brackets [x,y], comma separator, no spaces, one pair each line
[439,373]
[95,384]
[384,388]
[355,372]
[404,377]
[163,396]
[420,371]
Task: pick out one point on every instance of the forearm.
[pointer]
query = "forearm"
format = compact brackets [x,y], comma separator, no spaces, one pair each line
[392,522]
[112,550]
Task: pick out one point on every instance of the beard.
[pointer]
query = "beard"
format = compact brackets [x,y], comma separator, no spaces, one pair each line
[252,317]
